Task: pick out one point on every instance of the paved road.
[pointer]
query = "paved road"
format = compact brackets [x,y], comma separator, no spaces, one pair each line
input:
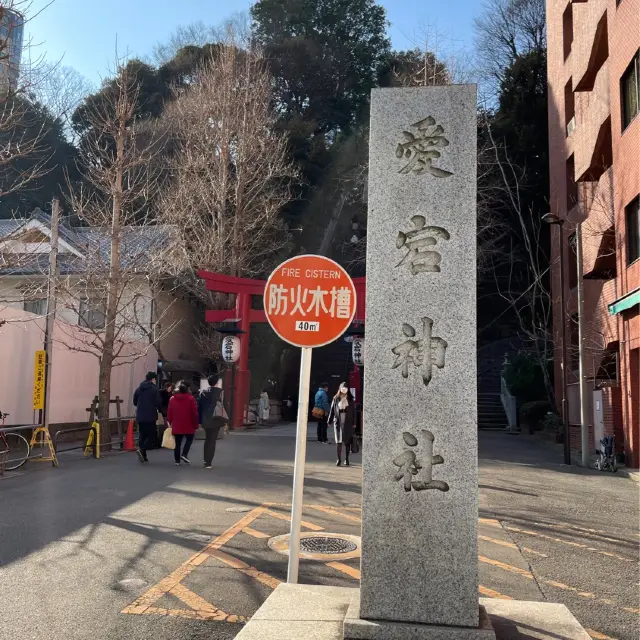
[110,549]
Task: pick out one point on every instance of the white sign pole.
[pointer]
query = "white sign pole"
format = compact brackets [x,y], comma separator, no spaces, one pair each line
[298,470]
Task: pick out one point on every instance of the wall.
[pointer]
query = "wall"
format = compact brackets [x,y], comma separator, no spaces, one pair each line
[75,374]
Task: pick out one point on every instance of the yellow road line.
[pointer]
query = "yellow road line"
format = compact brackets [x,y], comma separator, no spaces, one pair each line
[243,567]
[345,568]
[504,543]
[166,584]
[507,567]
[558,585]
[491,593]
[334,512]
[254,533]
[282,516]
[596,635]
[495,523]
[197,603]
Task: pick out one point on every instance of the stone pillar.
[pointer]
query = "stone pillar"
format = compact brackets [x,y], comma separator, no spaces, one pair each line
[420,507]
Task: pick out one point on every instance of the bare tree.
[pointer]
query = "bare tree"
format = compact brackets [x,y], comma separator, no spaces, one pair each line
[524,270]
[61,89]
[198,34]
[229,170]
[118,280]
[505,30]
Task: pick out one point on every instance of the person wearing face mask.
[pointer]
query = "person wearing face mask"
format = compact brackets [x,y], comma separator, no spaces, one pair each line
[342,416]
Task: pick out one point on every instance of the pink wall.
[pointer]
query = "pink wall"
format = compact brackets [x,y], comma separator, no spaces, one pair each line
[75,374]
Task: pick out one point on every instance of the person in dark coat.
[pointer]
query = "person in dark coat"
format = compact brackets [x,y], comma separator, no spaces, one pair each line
[342,416]
[321,401]
[182,416]
[207,401]
[147,401]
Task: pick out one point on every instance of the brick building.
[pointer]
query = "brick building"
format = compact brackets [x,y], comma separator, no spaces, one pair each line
[594,137]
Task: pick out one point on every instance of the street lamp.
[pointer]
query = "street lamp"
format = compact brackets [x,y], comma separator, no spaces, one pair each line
[553,219]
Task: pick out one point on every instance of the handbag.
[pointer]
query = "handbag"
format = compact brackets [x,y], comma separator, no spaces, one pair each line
[219,410]
[168,441]
[317,412]
[354,445]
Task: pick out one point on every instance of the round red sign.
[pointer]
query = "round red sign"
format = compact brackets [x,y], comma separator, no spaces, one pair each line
[309,301]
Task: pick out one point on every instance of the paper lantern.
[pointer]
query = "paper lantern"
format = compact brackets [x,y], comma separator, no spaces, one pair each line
[357,351]
[231,349]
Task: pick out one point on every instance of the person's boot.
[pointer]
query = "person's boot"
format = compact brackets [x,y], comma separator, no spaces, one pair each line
[346,463]
[339,463]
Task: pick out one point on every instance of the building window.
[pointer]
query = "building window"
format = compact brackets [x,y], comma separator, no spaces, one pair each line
[632,216]
[91,314]
[572,258]
[630,91]
[37,306]
[572,185]
[567,30]
[569,108]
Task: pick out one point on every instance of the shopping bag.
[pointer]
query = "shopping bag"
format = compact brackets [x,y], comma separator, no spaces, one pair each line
[168,441]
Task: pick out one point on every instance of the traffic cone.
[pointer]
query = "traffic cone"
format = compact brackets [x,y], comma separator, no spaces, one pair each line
[129,442]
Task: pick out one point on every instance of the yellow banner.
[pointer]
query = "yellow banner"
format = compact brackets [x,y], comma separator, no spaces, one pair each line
[38,379]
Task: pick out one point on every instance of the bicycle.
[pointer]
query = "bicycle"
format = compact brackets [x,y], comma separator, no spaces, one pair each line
[14,449]
[606,455]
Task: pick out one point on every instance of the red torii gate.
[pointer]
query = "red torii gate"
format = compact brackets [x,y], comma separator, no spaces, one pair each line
[243,289]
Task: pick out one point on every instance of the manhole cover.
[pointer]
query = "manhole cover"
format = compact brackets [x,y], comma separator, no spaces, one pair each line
[320,546]
[327,545]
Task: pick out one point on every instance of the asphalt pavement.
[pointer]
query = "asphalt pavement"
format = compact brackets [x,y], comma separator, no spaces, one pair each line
[111,549]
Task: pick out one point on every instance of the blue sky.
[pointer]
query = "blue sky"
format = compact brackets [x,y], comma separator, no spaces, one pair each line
[84,32]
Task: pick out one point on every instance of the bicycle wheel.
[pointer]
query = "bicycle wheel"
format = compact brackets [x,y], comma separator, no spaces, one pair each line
[18,451]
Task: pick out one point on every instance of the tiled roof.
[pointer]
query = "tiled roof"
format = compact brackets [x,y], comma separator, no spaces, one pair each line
[137,244]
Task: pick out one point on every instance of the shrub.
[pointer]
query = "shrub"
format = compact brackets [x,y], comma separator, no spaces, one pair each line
[552,423]
[533,413]
[525,378]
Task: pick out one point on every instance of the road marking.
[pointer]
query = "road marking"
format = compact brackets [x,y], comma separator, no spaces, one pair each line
[495,523]
[254,533]
[282,516]
[504,543]
[142,604]
[558,585]
[197,603]
[507,567]
[346,569]
[243,567]
[596,635]
[333,512]
[491,593]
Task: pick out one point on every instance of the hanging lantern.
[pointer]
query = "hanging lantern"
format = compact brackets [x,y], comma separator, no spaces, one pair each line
[231,349]
[357,351]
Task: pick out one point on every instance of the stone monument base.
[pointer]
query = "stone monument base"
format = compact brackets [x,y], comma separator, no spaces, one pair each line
[357,628]
[312,612]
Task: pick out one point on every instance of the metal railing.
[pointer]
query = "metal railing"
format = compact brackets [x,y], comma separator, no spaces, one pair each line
[89,429]
[509,405]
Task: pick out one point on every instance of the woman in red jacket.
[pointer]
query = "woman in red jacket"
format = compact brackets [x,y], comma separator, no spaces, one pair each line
[182,416]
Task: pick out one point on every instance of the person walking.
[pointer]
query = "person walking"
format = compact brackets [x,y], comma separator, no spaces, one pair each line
[209,421]
[321,403]
[147,401]
[182,416]
[342,416]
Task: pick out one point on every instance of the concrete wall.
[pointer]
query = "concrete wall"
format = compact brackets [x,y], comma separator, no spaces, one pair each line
[75,374]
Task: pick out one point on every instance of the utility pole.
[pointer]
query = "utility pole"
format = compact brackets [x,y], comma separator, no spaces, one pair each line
[584,404]
[51,306]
